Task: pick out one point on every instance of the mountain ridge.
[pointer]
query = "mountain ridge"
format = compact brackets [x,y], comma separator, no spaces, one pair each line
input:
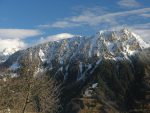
[114,45]
[103,36]
[99,72]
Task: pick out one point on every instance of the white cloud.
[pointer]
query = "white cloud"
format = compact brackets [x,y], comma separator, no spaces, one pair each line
[94,19]
[56,37]
[142,26]
[102,18]
[63,24]
[18,33]
[60,24]
[11,43]
[13,38]
[129,3]
[144,33]
[146,15]
[143,30]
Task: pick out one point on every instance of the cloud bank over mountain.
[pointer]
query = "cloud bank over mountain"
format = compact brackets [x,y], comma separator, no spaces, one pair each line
[14,38]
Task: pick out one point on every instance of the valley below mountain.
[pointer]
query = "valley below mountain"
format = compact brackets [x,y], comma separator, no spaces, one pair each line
[105,73]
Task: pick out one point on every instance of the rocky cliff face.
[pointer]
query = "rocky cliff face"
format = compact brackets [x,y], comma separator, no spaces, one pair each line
[97,72]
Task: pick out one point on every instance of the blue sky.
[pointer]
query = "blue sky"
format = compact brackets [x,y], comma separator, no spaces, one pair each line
[26,22]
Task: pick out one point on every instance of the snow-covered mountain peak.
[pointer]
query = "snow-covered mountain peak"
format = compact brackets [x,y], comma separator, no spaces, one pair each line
[112,35]
[81,51]
[108,44]
[9,51]
[104,44]
[5,53]
[124,39]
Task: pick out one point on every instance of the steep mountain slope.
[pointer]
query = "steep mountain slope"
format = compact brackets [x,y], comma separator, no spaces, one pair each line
[97,71]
